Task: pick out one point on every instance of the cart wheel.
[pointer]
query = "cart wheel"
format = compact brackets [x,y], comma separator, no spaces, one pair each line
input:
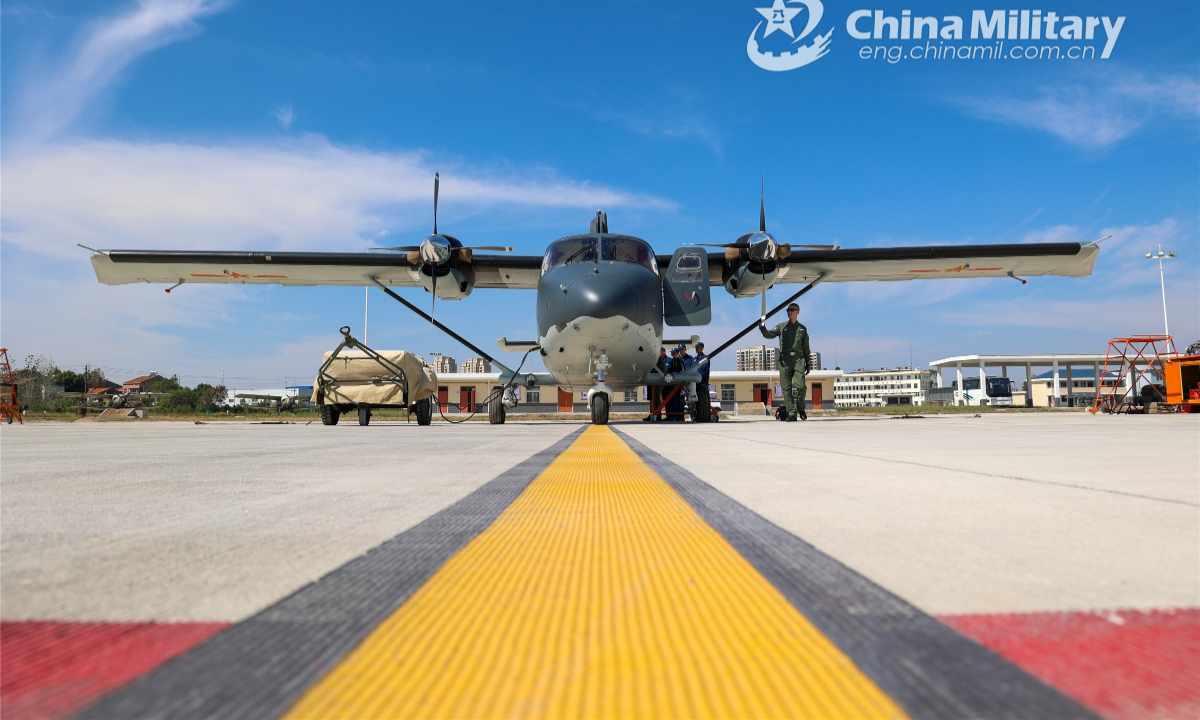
[364,414]
[329,415]
[600,409]
[424,411]
[496,412]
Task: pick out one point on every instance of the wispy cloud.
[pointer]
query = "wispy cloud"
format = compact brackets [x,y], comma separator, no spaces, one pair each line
[678,117]
[307,193]
[285,116]
[52,103]
[1092,111]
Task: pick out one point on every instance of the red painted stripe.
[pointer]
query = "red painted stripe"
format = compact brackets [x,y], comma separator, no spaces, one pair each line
[49,670]
[1122,664]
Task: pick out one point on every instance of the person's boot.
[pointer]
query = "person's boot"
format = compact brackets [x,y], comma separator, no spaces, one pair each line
[803,415]
[791,417]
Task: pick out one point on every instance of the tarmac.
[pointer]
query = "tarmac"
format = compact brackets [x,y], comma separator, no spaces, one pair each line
[1008,565]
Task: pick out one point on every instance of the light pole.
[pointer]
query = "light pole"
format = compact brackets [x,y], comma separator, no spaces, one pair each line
[1160,256]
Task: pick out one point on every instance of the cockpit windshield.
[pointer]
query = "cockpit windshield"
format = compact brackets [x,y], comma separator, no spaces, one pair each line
[569,251]
[629,250]
[583,249]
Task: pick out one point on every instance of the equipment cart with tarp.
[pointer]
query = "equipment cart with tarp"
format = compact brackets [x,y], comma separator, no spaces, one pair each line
[355,377]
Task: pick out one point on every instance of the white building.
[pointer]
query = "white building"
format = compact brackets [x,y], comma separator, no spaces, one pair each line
[757,358]
[901,386]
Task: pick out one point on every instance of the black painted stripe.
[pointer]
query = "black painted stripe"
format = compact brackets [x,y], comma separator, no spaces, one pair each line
[259,667]
[271,259]
[930,669]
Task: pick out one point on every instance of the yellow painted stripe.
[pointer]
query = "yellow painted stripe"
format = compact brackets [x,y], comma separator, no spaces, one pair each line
[599,593]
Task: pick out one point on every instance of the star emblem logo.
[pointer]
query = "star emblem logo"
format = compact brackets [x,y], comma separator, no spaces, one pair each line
[779,17]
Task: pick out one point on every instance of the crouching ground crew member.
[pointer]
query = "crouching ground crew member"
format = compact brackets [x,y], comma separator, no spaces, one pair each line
[793,360]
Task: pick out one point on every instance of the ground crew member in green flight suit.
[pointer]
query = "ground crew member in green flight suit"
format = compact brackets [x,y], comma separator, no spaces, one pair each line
[793,360]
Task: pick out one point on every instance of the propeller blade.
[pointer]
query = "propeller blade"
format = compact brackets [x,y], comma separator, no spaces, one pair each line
[817,247]
[437,181]
[762,205]
[494,248]
[720,245]
[403,248]
[433,302]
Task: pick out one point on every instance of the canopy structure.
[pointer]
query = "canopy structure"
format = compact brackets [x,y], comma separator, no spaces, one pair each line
[1063,363]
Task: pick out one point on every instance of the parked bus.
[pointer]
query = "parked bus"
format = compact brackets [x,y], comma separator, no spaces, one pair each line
[997,392]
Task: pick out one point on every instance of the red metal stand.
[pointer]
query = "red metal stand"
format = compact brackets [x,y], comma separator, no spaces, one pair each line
[1125,355]
[10,409]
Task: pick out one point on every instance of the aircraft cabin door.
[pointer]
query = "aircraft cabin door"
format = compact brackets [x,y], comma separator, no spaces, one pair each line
[686,298]
[566,401]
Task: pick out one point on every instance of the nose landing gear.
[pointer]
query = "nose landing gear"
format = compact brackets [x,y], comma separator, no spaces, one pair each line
[600,408]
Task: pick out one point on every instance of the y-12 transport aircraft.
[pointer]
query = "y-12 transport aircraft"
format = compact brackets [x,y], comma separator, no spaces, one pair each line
[602,298]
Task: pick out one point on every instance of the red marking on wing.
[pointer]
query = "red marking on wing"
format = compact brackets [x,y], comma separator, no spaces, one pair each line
[960,268]
[237,275]
[1122,664]
[53,669]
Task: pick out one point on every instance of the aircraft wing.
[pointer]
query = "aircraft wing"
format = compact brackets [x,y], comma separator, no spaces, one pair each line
[118,267]
[935,262]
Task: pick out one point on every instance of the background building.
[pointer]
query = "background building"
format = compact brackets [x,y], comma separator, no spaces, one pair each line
[814,361]
[757,358]
[475,365]
[900,386]
[444,364]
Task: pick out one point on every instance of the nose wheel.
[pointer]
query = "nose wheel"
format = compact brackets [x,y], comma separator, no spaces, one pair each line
[600,408]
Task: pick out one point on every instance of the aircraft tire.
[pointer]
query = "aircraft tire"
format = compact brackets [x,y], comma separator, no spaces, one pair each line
[364,414]
[496,412]
[600,409]
[703,409]
[424,411]
[329,415]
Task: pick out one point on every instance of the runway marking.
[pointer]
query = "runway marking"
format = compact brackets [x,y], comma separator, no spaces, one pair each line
[257,668]
[1123,663]
[52,669]
[599,592]
[931,670]
[962,470]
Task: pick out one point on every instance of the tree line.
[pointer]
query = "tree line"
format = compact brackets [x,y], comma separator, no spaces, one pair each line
[42,379]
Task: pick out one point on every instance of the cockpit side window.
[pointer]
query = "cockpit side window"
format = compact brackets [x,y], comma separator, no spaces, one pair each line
[629,250]
[570,251]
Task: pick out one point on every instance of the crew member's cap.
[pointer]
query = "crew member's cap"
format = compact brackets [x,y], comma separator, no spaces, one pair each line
[699,345]
[681,347]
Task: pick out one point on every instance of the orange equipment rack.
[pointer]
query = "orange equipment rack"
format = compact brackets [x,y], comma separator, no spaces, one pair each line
[1124,356]
[1183,382]
[9,407]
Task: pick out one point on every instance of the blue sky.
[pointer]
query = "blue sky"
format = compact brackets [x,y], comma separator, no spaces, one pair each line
[272,125]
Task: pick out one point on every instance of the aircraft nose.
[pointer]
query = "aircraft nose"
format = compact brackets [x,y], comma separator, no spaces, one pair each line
[602,296]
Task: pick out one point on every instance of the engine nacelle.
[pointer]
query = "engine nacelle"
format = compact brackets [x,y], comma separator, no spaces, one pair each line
[746,281]
[453,282]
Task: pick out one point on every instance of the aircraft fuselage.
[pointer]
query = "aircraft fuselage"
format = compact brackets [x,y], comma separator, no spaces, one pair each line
[602,301]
